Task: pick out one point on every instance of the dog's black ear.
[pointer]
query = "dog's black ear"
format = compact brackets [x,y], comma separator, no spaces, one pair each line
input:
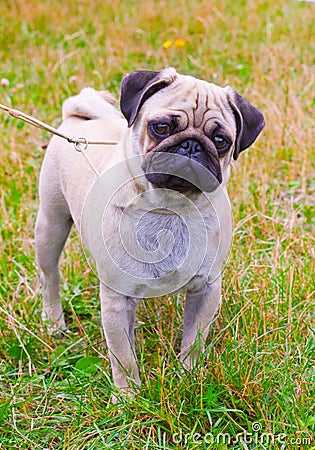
[249,122]
[137,87]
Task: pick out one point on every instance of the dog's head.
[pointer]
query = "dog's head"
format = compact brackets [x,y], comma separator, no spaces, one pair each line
[186,129]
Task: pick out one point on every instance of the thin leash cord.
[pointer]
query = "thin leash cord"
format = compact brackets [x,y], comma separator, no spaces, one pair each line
[80,144]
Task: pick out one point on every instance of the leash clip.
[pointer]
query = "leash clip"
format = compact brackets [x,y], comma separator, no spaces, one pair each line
[79,142]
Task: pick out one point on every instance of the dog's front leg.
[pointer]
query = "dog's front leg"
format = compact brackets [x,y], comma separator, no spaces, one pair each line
[118,318]
[200,308]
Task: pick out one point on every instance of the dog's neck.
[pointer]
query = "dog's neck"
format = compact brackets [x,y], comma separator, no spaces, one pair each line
[158,202]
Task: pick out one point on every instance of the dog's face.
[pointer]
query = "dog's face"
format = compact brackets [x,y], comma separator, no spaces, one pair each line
[186,129]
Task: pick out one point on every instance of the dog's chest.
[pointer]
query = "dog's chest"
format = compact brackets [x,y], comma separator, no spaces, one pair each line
[163,241]
[162,248]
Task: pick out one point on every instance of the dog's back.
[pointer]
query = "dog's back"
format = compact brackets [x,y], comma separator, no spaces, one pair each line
[89,105]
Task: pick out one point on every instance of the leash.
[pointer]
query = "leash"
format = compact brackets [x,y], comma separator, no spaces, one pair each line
[80,143]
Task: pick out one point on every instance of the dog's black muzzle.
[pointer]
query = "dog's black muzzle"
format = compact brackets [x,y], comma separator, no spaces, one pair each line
[184,165]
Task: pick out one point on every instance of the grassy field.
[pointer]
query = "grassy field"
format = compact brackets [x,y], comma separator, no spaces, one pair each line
[255,389]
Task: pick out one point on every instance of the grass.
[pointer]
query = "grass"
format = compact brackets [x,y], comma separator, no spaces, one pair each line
[259,366]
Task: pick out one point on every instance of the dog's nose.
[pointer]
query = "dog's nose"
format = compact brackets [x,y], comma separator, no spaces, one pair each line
[190,147]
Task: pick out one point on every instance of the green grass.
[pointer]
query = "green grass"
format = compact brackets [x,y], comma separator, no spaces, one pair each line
[259,366]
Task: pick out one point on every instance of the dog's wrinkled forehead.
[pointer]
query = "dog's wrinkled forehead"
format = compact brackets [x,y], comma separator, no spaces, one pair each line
[196,100]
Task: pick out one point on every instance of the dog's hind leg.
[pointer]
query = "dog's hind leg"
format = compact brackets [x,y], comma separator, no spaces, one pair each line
[51,232]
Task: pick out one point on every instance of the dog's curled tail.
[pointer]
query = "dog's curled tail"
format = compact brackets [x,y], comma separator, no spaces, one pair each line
[89,104]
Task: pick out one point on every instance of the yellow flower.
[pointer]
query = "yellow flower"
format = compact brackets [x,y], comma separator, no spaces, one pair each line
[95,72]
[179,42]
[167,44]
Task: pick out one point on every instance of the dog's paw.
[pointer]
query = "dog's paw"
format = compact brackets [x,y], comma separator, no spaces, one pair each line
[124,395]
[54,320]
[185,364]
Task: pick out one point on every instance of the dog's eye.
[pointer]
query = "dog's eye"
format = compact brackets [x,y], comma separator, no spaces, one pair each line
[161,129]
[221,143]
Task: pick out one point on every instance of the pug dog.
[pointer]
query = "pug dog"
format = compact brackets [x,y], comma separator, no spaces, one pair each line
[156,217]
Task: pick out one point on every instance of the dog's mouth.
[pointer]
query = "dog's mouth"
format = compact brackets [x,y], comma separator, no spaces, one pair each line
[189,165]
